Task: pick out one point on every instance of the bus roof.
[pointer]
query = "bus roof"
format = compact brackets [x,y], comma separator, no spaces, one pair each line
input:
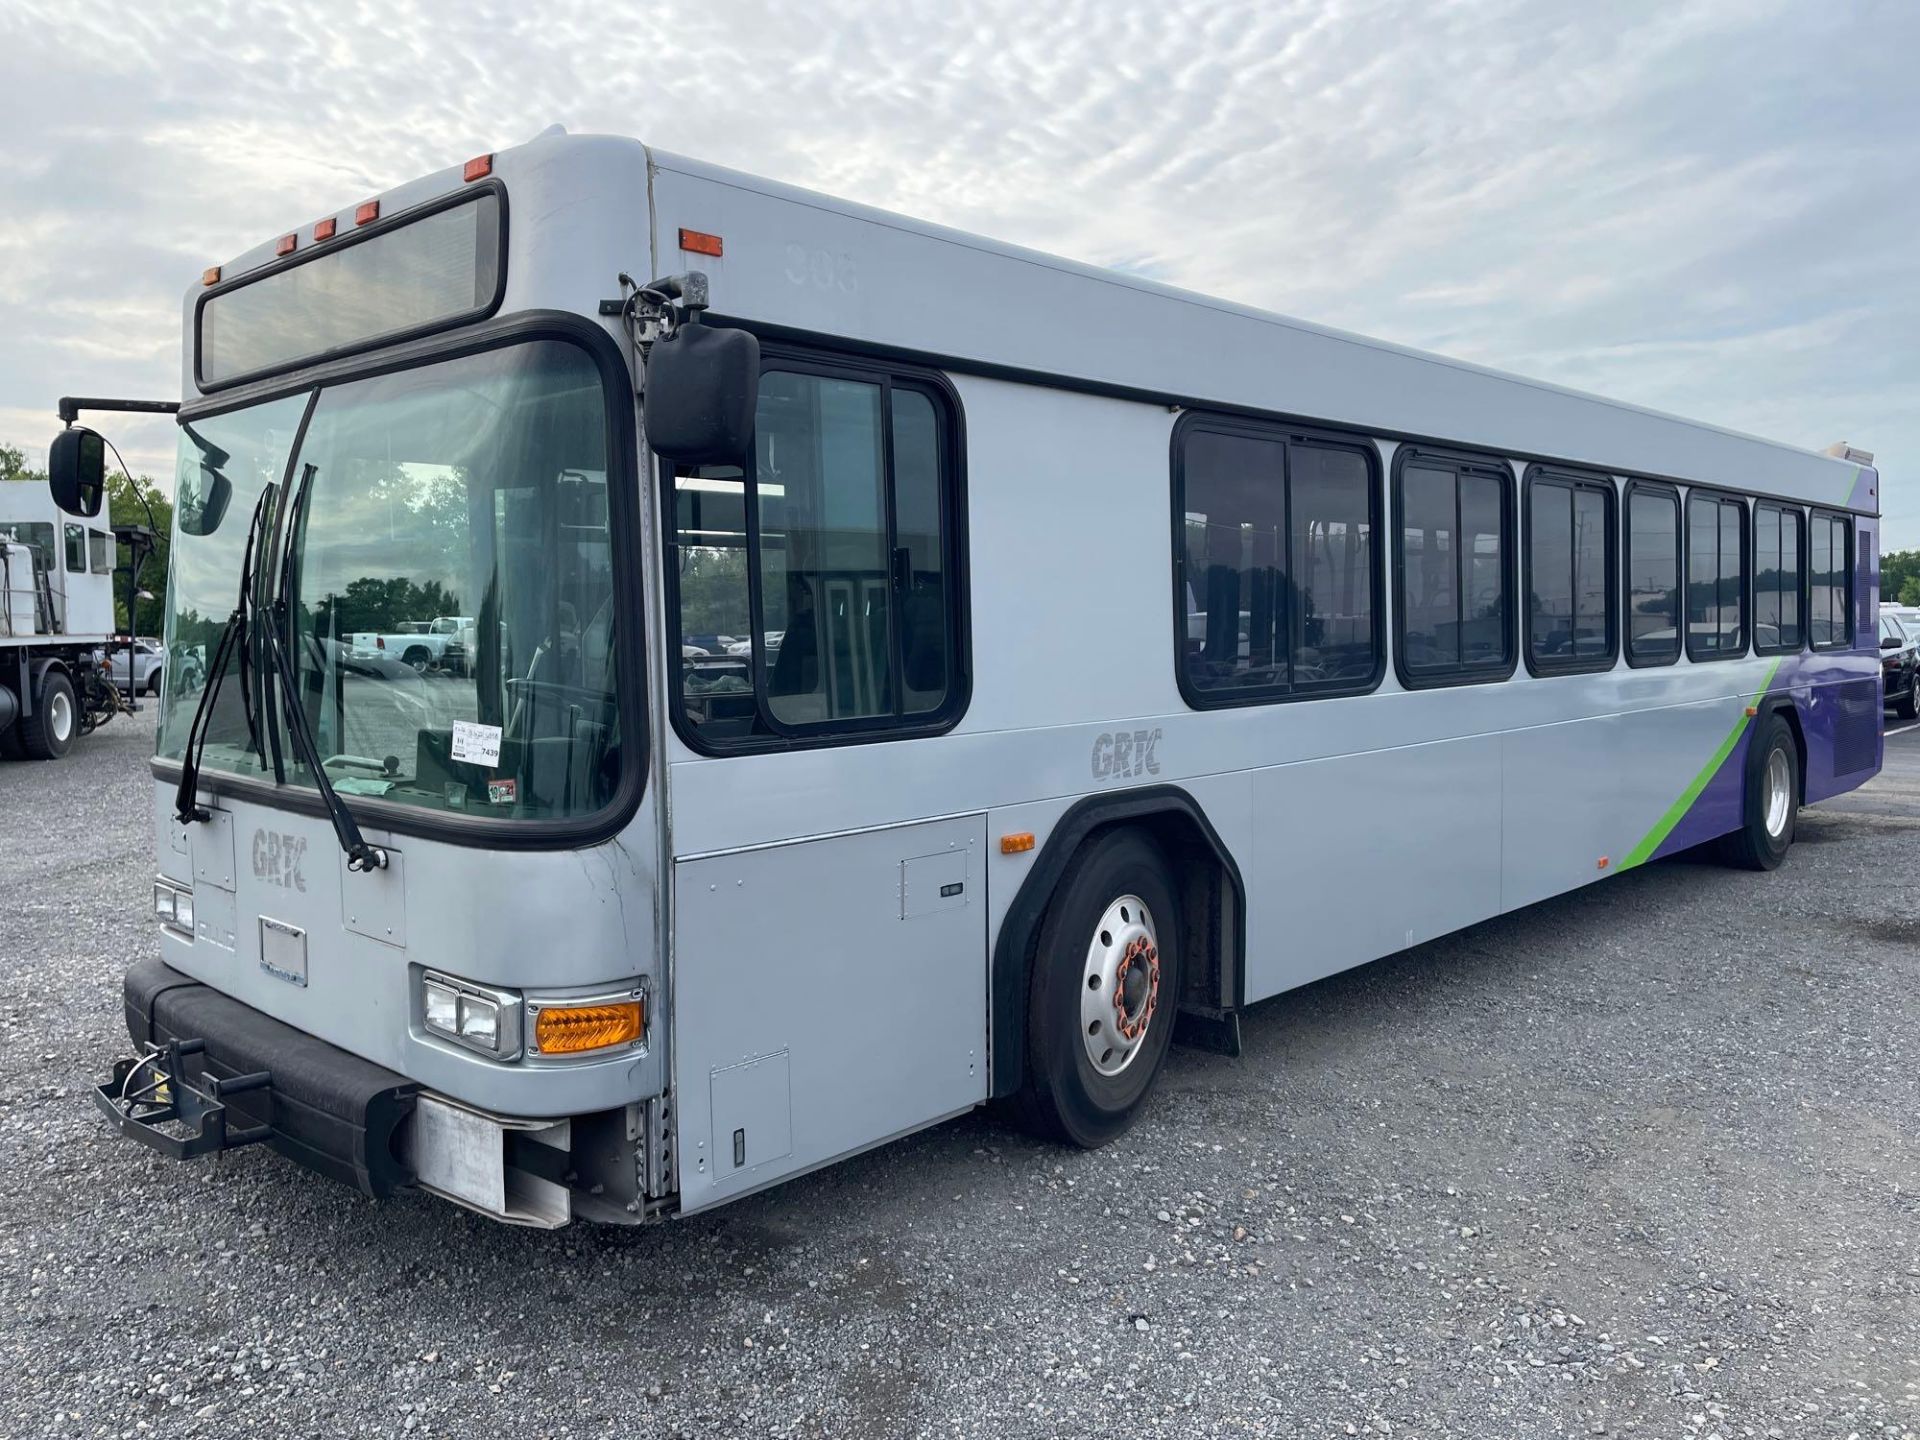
[816,264]
[810,264]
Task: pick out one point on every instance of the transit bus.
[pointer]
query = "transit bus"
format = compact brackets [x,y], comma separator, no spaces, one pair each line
[901,672]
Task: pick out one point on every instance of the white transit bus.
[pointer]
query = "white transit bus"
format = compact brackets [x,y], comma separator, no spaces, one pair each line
[901,671]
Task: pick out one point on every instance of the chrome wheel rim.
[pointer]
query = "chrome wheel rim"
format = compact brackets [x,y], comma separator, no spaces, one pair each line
[1120,985]
[1779,793]
[60,716]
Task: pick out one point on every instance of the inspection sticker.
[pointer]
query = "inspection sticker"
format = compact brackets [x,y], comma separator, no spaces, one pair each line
[476,744]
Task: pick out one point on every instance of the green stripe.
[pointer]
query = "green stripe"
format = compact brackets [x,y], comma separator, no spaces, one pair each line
[1643,852]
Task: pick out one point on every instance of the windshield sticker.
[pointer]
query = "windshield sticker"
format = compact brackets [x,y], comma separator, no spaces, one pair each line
[502,792]
[476,744]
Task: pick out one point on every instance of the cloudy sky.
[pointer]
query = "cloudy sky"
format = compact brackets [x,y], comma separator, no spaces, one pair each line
[1707,206]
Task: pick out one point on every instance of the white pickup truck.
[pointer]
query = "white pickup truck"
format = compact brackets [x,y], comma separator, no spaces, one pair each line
[443,643]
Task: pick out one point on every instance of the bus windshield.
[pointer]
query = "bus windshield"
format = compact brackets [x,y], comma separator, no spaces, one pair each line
[450,575]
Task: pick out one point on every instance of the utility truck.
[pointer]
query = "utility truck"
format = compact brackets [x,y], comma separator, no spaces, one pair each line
[56,623]
[1115,658]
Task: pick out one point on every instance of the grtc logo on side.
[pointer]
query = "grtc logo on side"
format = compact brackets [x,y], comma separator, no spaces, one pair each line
[1126,753]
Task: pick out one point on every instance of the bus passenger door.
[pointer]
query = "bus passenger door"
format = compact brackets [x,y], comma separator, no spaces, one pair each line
[828,995]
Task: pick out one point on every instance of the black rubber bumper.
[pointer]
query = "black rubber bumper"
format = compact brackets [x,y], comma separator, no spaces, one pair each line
[329,1111]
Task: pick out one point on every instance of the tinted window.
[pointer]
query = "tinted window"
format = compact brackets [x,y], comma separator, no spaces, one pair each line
[1716,578]
[99,552]
[1274,604]
[77,549]
[1653,576]
[1779,572]
[1569,561]
[1331,493]
[815,590]
[1831,593]
[1451,570]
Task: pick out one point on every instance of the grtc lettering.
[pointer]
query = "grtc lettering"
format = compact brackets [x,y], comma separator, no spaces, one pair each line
[1123,754]
[276,859]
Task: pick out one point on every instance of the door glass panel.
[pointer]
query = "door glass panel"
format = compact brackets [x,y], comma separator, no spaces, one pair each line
[825,572]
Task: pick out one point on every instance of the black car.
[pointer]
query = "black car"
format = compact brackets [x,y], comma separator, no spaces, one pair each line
[1899,667]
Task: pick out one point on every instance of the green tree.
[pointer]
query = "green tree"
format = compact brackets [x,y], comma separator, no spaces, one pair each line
[1910,591]
[124,507]
[1899,568]
[13,465]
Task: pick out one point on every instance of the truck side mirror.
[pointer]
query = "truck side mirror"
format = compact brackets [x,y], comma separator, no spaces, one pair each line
[77,471]
[702,386]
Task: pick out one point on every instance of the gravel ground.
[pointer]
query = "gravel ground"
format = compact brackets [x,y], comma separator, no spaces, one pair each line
[1638,1161]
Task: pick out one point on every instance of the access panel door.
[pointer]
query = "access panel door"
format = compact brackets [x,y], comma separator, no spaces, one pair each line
[827,995]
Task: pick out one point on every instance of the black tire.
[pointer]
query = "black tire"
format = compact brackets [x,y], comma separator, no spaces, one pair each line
[1064,1096]
[418,657]
[153,683]
[48,733]
[1754,846]
[1907,707]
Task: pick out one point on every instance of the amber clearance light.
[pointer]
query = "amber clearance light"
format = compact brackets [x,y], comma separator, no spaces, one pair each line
[570,1029]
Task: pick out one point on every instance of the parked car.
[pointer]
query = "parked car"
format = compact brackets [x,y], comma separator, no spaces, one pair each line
[1899,667]
[149,663]
[437,644]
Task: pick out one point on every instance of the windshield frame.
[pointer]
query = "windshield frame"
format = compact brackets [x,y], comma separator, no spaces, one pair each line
[623,520]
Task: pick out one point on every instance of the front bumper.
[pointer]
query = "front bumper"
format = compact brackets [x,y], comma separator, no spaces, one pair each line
[330,1111]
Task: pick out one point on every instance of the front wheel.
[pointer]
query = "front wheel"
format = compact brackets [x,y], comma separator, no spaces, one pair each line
[1105,986]
[1772,800]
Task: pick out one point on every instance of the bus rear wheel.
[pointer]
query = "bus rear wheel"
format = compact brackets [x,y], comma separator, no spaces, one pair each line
[1772,801]
[1105,986]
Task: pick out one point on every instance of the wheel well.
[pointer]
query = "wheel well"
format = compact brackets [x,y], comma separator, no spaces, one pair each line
[1212,910]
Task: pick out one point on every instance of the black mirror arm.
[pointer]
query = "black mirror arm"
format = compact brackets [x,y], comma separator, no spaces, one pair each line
[71,406]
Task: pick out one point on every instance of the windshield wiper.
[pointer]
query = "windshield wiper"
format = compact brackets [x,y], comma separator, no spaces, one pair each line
[360,854]
[234,633]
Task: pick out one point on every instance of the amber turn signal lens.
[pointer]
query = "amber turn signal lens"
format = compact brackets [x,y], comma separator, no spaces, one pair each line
[699,242]
[569,1029]
[210,275]
[1016,844]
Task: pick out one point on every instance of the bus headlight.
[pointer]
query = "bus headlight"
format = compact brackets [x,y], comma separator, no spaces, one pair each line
[476,1016]
[173,906]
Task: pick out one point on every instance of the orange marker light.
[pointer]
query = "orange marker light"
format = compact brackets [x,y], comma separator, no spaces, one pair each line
[367,213]
[699,242]
[1603,862]
[1017,844]
[210,275]
[478,168]
[569,1029]
[324,229]
[284,245]
[1752,710]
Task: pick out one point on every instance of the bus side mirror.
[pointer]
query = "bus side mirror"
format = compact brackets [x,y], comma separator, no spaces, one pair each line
[702,386]
[77,471]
